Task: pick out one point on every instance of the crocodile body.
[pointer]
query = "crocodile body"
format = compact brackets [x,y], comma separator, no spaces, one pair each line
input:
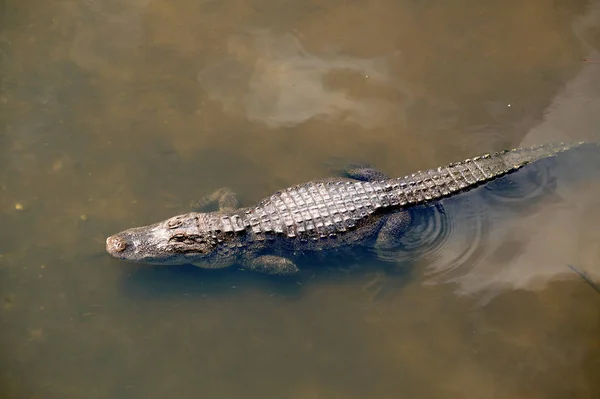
[366,209]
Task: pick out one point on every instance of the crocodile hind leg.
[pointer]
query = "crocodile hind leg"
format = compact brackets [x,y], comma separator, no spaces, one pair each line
[385,282]
[270,264]
[364,173]
[224,197]
[390,234]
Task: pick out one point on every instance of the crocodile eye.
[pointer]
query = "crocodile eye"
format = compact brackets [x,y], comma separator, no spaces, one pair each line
[173,223]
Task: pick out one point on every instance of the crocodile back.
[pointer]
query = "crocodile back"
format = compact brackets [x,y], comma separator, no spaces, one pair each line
[320,209]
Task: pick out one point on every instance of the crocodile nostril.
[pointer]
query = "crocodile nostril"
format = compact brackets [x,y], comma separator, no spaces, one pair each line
[115,244]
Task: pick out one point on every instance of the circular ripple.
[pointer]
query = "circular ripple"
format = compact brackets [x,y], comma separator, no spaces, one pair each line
[443,236]
[521,189]
[468,224]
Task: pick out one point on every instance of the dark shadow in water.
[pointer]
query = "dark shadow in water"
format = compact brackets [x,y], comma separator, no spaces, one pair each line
[454,231]
[155,281]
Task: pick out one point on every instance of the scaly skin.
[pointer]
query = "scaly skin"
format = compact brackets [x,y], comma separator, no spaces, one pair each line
[366,210]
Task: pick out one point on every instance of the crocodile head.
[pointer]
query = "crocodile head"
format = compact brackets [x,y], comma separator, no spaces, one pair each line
[175,241]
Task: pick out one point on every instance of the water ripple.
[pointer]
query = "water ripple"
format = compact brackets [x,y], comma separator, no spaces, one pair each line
[444,236]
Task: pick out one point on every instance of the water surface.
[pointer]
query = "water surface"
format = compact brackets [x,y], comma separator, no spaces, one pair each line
[120,113]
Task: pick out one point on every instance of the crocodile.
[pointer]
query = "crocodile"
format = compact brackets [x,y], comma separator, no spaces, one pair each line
[362,209]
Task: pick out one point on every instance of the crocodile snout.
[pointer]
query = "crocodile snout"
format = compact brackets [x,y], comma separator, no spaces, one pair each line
[115,245]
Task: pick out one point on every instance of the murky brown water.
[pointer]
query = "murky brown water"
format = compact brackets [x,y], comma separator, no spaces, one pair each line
[119,113]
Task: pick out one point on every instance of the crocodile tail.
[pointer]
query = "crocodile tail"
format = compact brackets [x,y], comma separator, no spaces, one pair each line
[433,184]
[520,157]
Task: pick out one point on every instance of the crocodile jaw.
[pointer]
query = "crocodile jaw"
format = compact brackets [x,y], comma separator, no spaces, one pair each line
[176,241]
[148,244]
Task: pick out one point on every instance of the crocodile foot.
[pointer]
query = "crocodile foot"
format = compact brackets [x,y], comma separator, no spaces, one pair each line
[224,197]
[390,235]
[364,173]
[273,265]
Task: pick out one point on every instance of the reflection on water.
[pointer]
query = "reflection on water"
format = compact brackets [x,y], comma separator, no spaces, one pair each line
[118,113]
[539,218]
[275,80]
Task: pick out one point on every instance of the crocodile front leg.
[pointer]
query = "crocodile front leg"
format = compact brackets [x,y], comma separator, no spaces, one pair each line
[270,264]
[224,197]
[364,173]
